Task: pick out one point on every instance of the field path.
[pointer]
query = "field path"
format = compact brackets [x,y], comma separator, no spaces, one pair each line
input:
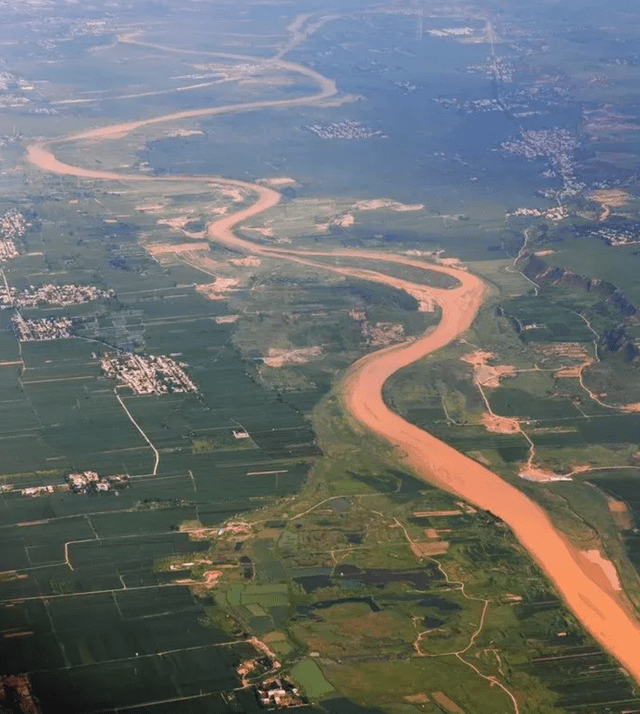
[583,586]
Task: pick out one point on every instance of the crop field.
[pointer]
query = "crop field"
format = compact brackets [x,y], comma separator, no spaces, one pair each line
[248,520]
[540,320]
[86,599]
[616,378]
[617,266]
[88,614]
[72,409]
[334,573]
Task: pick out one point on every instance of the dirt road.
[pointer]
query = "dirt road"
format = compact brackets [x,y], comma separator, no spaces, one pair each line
[581,585]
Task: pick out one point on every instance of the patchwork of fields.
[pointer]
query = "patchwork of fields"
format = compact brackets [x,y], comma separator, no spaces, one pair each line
[180,547]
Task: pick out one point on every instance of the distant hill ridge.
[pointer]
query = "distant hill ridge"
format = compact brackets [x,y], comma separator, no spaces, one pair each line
[615,340]
[537,270]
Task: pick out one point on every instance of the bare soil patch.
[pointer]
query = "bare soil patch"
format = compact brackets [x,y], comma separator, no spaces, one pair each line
[277,357]
[500,425]
[611,197]
[434,514]
[251,261]
[573,372]
[217,289]
[567,351]
[632,408]
[274,636]
[277,181]
[211,578]
[535,473]
[150,208]
[621,513]
[486,374]
[451,262]
[427,549]
[421,698]
[344,221]
[375,204]
[449,705]
[164,248]
[265,231]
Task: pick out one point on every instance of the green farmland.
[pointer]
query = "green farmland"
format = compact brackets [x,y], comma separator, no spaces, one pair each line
[190,520]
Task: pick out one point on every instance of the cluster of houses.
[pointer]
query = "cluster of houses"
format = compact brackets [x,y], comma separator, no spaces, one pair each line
[50,294]
[87,482]
[279,693]
[148,374]
[38,329]
[349,129]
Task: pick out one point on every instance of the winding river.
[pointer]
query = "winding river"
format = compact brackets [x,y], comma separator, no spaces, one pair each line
[602,611]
